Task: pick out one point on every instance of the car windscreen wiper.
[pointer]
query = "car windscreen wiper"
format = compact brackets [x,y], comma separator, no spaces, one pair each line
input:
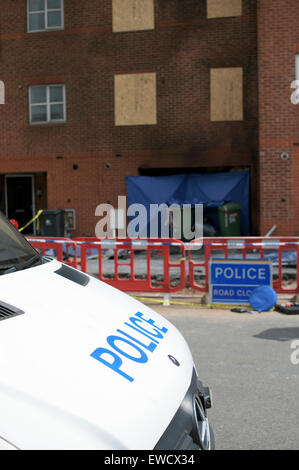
[5,267]
[20,266]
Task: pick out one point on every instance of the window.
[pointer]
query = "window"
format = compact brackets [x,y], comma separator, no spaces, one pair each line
[135,99]
[45,15]
[224,8]
[2,92]
[133,15]
[227,94]
[47,104]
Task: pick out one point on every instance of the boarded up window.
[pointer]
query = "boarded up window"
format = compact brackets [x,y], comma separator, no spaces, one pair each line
[224,8]
[133,15]
[2,93]
[135,99]
[227,94]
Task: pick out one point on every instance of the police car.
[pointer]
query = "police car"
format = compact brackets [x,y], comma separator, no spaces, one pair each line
[85,366]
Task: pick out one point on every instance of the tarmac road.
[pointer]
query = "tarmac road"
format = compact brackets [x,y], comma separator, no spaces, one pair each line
[246,360]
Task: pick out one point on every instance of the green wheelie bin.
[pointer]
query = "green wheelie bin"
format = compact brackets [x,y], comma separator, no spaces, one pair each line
[229,220]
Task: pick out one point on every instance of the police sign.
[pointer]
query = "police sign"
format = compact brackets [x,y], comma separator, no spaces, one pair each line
[232,281]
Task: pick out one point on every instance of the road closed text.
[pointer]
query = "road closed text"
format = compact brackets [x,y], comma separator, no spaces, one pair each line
[226,292]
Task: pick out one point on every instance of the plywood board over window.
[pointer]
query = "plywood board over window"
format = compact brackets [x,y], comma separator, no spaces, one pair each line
[133,15]
[2,92]
[224,8]
[227,94]
[135,99]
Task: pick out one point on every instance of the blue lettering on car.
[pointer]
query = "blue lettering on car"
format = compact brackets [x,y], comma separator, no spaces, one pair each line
[148,337]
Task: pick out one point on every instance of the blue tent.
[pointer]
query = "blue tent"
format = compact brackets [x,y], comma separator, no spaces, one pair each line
[211,190]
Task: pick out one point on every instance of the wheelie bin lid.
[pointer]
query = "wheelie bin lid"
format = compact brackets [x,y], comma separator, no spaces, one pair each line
[230,207]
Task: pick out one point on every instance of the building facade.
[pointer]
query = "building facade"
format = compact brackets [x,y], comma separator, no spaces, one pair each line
[278,48]
[99,90]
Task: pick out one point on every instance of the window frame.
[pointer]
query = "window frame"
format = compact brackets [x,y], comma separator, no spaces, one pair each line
[45,11]
[48,104]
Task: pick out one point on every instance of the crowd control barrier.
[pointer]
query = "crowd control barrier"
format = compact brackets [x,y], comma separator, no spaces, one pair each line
[160,247]
[273,248]
[191,265]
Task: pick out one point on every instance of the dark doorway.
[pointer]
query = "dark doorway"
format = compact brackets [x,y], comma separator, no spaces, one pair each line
[20,204]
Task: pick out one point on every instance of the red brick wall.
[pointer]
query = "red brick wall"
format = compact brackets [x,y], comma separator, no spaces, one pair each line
[278,37]
[85,56]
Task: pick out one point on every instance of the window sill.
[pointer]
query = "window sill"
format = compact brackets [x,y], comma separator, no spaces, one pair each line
[47,124]
[45,30]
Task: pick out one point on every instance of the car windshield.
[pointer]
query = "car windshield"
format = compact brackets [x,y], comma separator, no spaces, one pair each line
[15,251]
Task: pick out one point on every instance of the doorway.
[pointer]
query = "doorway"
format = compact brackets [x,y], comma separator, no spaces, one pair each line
[20,200]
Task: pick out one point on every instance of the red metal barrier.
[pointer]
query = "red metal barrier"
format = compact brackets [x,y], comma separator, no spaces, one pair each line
[237,247]
[255,245]
[133,284]
[48,243]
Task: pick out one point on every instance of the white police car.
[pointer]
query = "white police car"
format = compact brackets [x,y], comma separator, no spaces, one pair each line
[84,366]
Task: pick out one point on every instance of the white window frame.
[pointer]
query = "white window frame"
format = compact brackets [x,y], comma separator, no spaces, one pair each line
[48,104]
[45,11]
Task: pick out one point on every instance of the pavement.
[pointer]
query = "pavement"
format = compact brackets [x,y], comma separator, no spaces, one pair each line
[246,360]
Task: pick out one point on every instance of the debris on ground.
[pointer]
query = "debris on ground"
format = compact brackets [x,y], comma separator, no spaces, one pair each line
[291,308]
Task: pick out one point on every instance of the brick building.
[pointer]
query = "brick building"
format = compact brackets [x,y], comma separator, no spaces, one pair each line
[278,44]
[103,89]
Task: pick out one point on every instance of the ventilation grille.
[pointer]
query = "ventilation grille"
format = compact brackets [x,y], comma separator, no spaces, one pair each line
[73,275]
[8,311]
